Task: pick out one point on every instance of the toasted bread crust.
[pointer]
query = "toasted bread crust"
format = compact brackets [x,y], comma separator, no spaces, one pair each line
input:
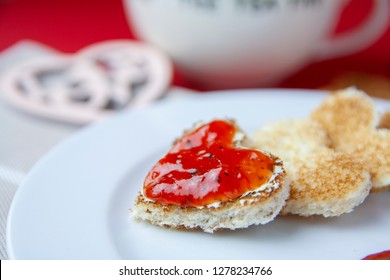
[385,121]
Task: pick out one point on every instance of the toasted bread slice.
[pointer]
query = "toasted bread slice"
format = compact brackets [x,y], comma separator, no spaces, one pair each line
[373,84]
[351,121]
[322,181]
[254,207]
[385,121]
[258,207]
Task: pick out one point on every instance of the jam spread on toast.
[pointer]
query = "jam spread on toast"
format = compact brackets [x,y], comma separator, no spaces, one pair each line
[205,166]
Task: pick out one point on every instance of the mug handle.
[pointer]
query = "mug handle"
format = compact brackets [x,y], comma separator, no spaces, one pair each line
[362,37]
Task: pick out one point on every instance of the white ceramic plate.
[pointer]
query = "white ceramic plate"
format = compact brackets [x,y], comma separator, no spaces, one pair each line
[74,203]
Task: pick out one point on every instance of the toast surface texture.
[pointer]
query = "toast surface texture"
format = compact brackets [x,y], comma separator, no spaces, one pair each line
[323,181]
[354,126]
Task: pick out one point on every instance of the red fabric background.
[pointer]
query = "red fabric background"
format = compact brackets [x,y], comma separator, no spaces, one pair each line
[69,25]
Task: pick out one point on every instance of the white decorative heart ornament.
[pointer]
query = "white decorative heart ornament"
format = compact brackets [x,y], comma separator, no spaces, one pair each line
[91,84]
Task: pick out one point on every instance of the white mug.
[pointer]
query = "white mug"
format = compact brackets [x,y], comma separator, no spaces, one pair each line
[249,43]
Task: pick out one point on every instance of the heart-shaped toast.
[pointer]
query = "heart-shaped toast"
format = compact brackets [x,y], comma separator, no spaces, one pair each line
[209,180]
[354,126]
[323,181]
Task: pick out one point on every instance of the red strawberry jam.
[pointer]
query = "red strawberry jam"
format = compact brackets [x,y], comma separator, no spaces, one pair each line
[204,167]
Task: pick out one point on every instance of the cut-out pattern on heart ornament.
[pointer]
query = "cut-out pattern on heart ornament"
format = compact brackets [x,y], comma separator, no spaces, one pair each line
[90,84]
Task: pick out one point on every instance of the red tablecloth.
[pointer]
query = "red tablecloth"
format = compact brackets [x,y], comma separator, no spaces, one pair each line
[69,25]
